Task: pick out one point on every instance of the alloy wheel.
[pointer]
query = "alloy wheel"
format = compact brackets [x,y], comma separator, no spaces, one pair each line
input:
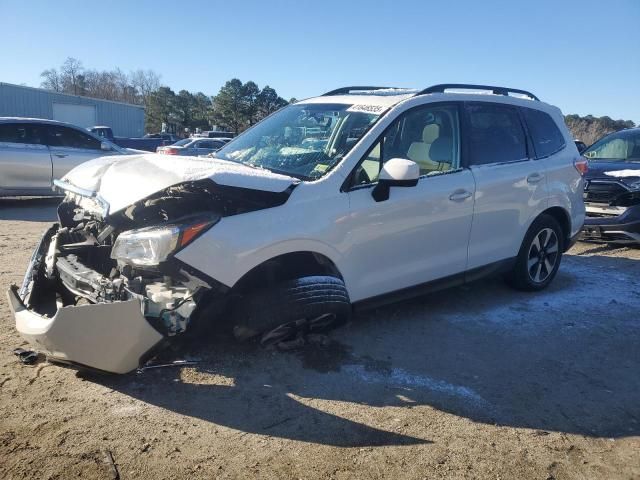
[543,255]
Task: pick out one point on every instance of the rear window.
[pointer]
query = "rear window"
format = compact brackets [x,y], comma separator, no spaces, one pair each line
[546,136]
[496,134]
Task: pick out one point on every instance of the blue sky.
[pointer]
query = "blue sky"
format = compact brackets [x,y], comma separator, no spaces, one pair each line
[583,56]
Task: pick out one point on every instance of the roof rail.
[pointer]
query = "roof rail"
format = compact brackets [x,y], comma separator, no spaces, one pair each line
[347,90]
[464,86]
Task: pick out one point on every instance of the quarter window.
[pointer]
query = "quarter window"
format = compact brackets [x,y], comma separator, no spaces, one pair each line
[69,137]
[428,135]
[546,136]
[495,134]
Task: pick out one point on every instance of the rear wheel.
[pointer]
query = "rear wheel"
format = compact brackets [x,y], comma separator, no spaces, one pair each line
[307,304]
[539,256]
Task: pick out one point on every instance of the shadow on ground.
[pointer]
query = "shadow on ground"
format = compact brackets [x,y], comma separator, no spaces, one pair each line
[565,360]
[32,209]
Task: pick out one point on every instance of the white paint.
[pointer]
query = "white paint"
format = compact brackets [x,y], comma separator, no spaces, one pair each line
[124,180]
[80,115]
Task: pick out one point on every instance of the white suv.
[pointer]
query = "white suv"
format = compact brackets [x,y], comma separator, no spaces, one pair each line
[359,196]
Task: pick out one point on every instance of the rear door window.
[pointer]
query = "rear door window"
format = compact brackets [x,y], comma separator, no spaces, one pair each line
[546,136]
[60,136]
[24,133]
[496,134]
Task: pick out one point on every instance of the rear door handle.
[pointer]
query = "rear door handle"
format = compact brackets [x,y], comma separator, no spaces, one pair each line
[460,195]
[535,177]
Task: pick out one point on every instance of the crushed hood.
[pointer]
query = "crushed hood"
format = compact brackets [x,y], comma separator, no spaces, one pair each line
[124,180]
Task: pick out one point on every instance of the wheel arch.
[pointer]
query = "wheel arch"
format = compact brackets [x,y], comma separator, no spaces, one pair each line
[563,218]
[287,266]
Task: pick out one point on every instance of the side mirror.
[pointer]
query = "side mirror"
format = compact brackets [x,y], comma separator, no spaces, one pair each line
[396,172]
[104,146]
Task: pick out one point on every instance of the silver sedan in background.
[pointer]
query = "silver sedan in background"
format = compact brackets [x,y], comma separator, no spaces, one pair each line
[34,152]
[193,147]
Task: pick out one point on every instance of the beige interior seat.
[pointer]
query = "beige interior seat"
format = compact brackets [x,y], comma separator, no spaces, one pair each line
[419,151]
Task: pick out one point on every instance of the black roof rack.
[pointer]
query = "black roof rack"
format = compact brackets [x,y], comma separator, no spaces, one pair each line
[464,86]
[347,90]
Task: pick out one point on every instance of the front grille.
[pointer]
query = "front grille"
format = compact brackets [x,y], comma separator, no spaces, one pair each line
[602,191]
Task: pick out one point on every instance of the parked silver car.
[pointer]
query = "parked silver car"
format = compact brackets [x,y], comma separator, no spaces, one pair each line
[34,152]
[193,147]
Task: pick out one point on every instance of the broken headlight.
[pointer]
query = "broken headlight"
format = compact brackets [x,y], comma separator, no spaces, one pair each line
[152,245]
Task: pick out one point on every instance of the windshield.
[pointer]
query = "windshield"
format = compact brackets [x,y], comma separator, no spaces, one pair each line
[183,142]
[302,140]
[621,146]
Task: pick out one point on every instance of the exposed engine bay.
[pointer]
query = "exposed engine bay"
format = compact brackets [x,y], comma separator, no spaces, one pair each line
[89,260]
[105,288]
[79,265]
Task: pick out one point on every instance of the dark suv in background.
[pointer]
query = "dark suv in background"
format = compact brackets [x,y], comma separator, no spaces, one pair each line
[612,189]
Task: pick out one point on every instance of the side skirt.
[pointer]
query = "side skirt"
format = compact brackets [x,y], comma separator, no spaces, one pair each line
[492,269]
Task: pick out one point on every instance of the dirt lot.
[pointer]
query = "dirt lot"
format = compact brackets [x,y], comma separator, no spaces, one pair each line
[476,382]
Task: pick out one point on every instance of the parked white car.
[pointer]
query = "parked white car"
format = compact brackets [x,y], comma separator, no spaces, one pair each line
[360,196]
[35,152]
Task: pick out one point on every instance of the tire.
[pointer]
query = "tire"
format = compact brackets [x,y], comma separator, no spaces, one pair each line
[539,257]
[297,302]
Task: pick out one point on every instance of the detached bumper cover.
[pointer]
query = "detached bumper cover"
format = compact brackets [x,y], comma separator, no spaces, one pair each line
[112,337]
[622,228]
[107,336]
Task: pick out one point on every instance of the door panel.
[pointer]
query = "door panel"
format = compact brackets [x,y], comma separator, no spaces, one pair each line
[419,234]
[510,186]
[506,202]
[25,163]
[70,147]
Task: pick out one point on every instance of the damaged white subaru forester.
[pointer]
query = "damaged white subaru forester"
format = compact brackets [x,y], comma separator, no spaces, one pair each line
[360,196]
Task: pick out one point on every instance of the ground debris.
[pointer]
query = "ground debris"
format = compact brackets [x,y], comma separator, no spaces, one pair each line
[108,459]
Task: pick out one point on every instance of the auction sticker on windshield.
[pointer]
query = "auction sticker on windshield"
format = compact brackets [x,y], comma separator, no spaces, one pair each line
[366,108]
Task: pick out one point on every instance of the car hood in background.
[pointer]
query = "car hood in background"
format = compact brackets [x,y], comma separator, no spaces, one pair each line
[626,172]
[122,181]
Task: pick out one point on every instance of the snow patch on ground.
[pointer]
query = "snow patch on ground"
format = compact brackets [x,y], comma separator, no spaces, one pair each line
[401,378]
[547,309]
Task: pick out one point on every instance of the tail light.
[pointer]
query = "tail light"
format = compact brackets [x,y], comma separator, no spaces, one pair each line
[581,164]
[170,151]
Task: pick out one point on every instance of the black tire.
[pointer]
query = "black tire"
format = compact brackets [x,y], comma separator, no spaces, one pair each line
[303,299]
[531,271]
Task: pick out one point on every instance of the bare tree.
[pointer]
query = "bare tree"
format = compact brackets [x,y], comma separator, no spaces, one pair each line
[70,72]
[145,82]
[51,80]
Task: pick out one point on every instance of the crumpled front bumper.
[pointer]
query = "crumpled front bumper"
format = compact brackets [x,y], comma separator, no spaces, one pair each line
[112,337]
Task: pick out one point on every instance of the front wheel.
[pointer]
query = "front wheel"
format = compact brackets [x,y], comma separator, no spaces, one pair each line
[539,256]
[309,304]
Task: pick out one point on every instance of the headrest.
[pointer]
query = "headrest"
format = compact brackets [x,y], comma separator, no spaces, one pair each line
[441,150]
[430,133]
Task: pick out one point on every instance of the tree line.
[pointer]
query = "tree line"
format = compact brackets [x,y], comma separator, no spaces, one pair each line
[590,128]
[236,107]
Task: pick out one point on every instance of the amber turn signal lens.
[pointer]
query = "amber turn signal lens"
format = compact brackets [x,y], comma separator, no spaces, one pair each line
[191,232]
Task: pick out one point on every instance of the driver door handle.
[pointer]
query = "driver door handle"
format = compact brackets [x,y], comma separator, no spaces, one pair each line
[460,195]
[61,155]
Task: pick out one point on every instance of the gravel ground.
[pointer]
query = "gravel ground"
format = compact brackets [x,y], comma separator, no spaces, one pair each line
[475,382]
